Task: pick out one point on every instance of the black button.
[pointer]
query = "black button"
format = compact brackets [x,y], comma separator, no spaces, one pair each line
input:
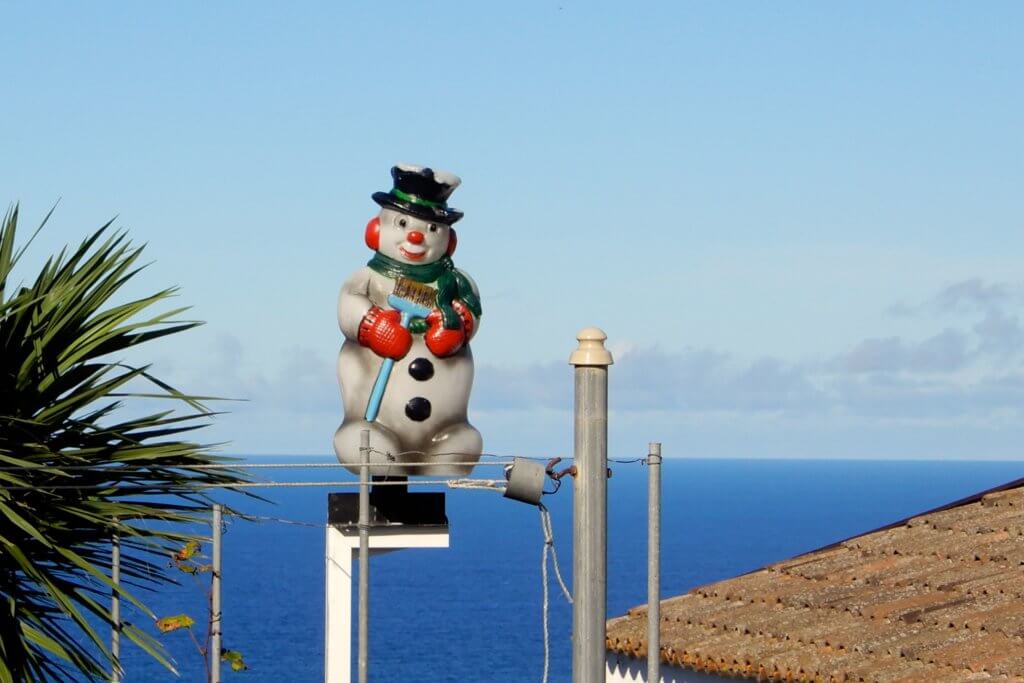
[421,369]
[417,409]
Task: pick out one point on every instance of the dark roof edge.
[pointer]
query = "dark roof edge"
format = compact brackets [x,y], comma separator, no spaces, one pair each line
[973,498]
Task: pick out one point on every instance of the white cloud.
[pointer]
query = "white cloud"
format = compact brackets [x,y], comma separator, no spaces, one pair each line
[965,296]
[972,294]
[999,334]
[944,352]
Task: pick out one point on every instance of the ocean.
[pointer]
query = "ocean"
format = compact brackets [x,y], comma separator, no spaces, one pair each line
[472,612]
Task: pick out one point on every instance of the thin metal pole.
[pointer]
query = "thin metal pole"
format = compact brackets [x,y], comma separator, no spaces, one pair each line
[215,611]
[364,555]
[115,608]
[590,506]
[654,562]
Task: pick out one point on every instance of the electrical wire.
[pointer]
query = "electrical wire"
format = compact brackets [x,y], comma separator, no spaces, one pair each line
[113,469]
[503,460]
[238,485]
[245,517]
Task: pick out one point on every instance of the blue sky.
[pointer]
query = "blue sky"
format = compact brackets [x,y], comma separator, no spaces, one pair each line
[800,224]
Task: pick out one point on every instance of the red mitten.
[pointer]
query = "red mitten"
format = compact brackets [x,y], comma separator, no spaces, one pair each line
[382,331]
[443,342]
[467,318]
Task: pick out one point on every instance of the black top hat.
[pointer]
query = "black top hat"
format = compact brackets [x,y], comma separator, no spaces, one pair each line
[418,191]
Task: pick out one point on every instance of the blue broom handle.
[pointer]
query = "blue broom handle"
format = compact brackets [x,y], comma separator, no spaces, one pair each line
[408,310]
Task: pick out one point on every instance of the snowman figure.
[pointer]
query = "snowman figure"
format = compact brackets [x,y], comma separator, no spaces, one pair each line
[405,367]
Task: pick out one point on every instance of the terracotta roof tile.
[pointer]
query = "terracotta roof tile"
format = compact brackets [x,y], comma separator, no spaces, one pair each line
[1013,497]
[938,597]
[1011,624]
[962,576]
[1009,668]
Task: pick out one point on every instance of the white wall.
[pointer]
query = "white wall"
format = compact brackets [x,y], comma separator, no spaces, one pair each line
[623,669]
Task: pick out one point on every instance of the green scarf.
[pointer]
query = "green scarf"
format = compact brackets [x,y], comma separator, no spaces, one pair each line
[451,284]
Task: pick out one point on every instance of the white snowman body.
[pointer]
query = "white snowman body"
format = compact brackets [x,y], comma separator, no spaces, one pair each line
[423,413]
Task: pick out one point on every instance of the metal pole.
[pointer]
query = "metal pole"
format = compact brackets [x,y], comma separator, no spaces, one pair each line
[654,563]
[590,506]
[215,614]
[115,608]
[364,554]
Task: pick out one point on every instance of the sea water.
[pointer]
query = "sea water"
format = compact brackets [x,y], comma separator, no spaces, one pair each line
[472,612]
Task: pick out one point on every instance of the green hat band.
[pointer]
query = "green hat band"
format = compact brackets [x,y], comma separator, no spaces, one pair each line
[413,199]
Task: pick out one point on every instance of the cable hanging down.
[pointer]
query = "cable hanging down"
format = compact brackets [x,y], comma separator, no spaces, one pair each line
[549,545]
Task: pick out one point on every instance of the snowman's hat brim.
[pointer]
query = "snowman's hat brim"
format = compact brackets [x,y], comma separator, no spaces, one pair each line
[430,211]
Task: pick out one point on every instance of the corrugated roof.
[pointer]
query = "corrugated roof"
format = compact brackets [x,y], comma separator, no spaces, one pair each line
[937,597]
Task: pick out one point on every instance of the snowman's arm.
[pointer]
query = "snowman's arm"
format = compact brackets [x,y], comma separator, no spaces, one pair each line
[354,303]
[476,290]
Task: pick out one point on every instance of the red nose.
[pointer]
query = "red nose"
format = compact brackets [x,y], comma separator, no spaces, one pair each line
[415,237]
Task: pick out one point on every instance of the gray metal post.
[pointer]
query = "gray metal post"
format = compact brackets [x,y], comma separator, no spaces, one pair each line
[654,563]
[590,506]
[364,554]
[215,611]
[115,608]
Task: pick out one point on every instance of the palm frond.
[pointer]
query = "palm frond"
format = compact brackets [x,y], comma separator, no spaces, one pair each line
[71,473]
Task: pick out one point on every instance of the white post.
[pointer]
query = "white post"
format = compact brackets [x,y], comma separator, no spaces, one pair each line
[654,563]
[215,612]
[590,506]
[338,623]
[342,551]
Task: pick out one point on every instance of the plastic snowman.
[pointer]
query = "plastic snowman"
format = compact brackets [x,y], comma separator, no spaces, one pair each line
[405,367]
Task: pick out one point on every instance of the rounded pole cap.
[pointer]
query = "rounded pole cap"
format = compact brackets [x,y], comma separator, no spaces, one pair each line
[591,350]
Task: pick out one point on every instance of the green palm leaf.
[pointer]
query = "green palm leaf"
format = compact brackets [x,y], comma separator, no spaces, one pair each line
[72,474]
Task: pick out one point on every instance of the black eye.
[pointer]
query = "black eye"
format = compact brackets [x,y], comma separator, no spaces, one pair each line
[432,228]
[402,222]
